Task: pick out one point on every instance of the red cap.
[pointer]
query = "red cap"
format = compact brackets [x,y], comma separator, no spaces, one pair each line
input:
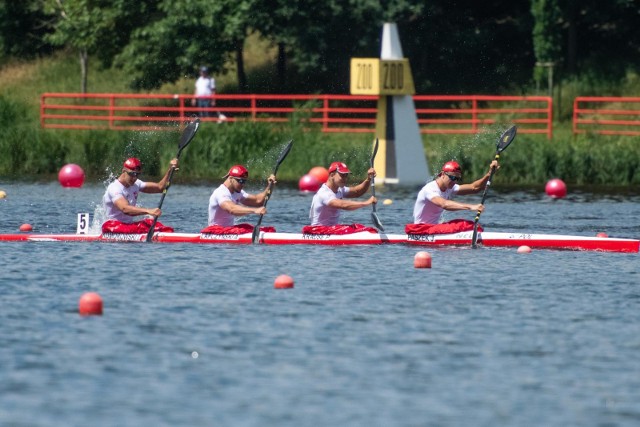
[340,167]
[132,164]
[238,171]
[452,167]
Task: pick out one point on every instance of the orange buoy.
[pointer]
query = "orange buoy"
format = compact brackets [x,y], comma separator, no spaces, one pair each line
[309,183]
[26,227]
[71,175]
[602,234]
[321,173]
[556,188]
[90,304]
[524,249]
[283,282]
[422,260]
[3,194]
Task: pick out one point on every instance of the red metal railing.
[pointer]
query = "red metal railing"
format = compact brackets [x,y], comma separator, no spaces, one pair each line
[606,115]
[333,113]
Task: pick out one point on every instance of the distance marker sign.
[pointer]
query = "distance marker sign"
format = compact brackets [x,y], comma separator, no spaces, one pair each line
[375,76]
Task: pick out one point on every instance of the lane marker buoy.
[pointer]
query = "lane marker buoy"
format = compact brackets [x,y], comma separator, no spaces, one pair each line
[283,282]
[90,304]
[422,260]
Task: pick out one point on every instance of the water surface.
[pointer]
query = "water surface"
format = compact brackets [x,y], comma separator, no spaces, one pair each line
[197,335]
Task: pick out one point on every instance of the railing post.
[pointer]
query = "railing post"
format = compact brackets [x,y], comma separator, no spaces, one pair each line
[43,99]
[474,115]
[575,115]
[253,108]
[112,104]
[325,113]
[550,118]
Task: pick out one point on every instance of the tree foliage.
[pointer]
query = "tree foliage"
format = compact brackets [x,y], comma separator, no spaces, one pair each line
[458,46]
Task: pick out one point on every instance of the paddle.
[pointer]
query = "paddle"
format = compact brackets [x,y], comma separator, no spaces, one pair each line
[503,142]
[283,154]
[374,214]
[187,135]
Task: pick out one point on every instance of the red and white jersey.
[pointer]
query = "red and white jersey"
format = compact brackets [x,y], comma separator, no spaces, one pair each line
[115,190]
[217,215]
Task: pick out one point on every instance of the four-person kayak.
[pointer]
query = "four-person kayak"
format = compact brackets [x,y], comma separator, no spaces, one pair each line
[462,239]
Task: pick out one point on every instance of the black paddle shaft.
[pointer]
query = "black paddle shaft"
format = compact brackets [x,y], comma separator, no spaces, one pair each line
[505,139]
[187,135]
[374,213]
[283,154]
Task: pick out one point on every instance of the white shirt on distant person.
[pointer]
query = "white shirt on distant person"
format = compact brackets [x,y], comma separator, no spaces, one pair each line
[205,86]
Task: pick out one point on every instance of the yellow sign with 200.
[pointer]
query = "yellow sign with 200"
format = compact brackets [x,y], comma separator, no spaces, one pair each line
[375,76]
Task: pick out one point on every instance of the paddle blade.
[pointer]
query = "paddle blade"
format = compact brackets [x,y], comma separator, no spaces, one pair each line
[506,138]
[283,155]
[376,221]
[255,237]
[188,133]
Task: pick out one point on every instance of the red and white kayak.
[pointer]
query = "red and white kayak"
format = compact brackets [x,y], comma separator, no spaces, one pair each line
[487,239]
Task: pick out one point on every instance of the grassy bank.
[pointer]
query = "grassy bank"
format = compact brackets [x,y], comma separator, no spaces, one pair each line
[29,152]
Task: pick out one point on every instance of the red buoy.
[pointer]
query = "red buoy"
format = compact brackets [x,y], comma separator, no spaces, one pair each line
[422,260]
[524,249]
[320,172]
[90,304]
[283,282]
[556,188]
[71,175]
[602,235]
[309,183]
[26,227]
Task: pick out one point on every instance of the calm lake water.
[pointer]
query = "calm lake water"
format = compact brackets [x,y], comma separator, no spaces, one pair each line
[196,335]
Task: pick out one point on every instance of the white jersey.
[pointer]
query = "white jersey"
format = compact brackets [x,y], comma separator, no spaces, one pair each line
[321,213]
[205,86]
[217,215]
[115,190]
[426,212]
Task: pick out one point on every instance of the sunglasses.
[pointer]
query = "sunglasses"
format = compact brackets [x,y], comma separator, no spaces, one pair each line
[136,174]
[453,177]
[240,180]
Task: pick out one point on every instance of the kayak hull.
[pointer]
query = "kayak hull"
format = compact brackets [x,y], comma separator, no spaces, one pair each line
[486,239]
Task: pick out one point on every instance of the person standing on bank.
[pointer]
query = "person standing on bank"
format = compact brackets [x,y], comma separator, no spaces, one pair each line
[120,200]
[329,201]
[229,201]
[435,197]
[205,88]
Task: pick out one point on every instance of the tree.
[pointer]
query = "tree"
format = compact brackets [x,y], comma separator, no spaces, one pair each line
[21,32]
[98,27]
[182,36]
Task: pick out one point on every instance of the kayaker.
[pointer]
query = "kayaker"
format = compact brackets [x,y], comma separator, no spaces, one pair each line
[229,200]
[120,200]
[329,200]
[435,197]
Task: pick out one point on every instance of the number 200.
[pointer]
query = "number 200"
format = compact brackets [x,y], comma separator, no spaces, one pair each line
[364,77]
[393,76]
